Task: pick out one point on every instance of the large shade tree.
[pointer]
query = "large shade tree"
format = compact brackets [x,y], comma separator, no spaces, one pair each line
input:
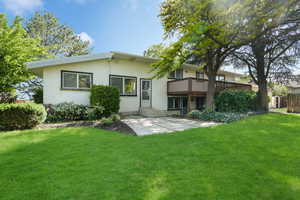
[273,53]
[59,39]
[206,33]
[15,50]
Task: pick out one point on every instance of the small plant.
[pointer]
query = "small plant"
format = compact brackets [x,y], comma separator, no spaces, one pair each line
[106,121]
[96,112]
[115,117]
[21,116]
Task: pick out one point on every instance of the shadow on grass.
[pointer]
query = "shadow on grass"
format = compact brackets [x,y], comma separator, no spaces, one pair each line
[257,158]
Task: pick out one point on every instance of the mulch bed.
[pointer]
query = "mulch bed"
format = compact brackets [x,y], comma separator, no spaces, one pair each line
[117,126]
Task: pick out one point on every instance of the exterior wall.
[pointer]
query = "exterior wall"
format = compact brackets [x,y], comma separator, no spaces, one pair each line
[294,90]
[141,71]
[228,76]
[53,94]
[101,69]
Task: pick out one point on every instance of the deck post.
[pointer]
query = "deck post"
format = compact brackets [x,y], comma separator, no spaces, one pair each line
[189,103]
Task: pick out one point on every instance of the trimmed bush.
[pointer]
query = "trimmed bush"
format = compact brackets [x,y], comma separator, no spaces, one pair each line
[64,112]
[106,96]
[235,101]
[21,116]
[38,95]
[216,116]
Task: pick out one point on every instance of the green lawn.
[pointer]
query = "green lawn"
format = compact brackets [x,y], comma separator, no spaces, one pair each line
[257,158]
[279,110]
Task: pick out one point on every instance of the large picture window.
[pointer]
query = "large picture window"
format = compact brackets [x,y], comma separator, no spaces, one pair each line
[126,85]
[76,80]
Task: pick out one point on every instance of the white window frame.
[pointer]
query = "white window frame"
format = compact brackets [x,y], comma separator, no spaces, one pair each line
[220,75]
[123,84]
[77,80]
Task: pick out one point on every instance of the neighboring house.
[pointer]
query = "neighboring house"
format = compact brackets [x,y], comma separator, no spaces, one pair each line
[294,86]
[70,79]
[293,99]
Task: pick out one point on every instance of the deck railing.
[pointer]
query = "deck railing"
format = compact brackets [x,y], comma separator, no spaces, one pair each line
[193,86]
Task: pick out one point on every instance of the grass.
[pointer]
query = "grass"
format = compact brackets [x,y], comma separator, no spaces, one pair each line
[257,158]
[279,110]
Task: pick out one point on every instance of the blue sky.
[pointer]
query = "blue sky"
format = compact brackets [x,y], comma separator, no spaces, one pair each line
[112,25]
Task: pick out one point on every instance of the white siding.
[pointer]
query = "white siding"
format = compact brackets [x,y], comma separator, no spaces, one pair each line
[52,82]
[101,70]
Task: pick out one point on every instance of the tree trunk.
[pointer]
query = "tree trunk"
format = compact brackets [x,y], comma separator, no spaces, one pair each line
[263,98]
[210,105]
[261,69]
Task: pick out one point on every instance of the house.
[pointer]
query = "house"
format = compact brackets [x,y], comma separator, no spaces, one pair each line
[293,98]
[70,79]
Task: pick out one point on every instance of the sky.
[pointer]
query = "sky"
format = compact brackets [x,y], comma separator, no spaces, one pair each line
[129,26]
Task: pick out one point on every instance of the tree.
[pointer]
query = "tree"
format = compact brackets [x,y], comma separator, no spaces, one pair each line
[279,90]
[155,51]
[15,50]
[275,50]
[59,39]
[207,32]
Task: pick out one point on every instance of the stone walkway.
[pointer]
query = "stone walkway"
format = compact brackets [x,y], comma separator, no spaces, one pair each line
[148,126]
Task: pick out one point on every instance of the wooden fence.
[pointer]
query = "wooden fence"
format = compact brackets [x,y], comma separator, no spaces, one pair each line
[293,103]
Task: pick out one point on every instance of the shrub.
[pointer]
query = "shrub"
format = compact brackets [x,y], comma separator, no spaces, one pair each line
[106,96]
[235,101]
[21,116]
[96,112]
[8,96]
[216,116]
[67,112]
[115,117]
[38,95]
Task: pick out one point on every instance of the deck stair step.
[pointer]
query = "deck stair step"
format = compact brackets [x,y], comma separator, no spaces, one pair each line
[151,112]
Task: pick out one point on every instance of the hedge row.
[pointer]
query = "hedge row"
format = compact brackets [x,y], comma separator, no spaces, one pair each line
[239,101]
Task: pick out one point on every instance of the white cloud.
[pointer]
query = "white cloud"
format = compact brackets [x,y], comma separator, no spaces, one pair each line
[19,7]
[85,37]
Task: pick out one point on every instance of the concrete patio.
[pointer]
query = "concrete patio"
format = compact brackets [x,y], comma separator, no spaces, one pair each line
[149,126]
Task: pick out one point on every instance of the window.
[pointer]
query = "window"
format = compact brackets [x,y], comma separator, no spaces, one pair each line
[76,80]
[126,85]
[220,78]
[177,74]
[199,75]
[176,103]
